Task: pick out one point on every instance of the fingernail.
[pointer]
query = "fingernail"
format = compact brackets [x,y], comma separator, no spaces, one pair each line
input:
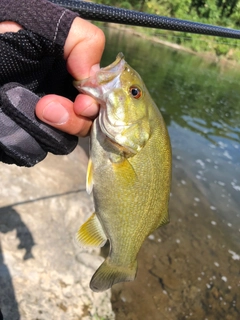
[55,113]
[95,68]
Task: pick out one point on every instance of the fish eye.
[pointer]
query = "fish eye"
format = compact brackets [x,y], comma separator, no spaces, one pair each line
[135,92]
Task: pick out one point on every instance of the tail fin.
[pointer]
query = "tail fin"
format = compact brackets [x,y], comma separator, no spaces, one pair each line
[109,274]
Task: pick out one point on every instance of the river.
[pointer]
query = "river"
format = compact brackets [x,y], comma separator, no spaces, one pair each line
[189,269]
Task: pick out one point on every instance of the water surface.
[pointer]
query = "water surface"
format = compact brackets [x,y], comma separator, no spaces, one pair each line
[189,269]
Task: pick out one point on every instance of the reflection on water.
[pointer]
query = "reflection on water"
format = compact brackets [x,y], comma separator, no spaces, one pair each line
[190,268]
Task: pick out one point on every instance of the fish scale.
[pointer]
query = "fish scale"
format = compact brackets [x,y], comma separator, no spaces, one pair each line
[129,171]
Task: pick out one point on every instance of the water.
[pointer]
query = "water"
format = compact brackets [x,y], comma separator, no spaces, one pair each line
[189,269]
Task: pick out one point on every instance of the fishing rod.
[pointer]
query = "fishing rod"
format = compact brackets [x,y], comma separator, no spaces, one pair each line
[100,12]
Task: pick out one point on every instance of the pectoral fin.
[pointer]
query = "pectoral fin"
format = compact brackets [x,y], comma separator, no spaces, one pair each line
[125,172]
[89,180]
[91,233]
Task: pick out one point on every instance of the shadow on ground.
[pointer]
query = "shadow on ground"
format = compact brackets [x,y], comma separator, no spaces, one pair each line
[10,220]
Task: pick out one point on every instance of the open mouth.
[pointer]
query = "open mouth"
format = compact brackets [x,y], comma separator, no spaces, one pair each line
[104,79]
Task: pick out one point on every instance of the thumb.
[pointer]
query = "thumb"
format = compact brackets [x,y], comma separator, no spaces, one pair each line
[59,112]
[83,48]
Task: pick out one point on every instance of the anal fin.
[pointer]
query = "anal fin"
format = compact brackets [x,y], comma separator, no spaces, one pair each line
[91,233]
[165,219]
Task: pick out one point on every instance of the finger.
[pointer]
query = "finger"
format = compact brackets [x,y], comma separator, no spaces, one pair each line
[86,106]
[59,112]
[9,26]
[83,48]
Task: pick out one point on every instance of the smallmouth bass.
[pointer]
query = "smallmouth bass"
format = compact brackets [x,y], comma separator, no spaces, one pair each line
[129,171]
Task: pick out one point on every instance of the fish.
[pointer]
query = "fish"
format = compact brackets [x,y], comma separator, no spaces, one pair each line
[129,171]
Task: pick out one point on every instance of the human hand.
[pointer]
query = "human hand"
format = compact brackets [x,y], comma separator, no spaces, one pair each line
[83,51]
[36,52]
[72,117]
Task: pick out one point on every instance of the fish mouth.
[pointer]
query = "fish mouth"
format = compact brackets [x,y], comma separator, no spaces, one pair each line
[115,66]
[99,87]
[103,80]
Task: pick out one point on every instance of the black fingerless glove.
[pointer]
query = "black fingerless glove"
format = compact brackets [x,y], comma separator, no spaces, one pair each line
[24,139]
[32,65]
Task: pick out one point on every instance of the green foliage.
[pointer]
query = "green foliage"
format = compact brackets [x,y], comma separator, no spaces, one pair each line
[125,5]
[216,12]
[96,317]
[221,49]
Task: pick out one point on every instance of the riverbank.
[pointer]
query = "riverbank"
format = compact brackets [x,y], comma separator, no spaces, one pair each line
[224,61]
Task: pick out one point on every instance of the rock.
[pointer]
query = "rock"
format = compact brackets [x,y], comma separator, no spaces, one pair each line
[44,274]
